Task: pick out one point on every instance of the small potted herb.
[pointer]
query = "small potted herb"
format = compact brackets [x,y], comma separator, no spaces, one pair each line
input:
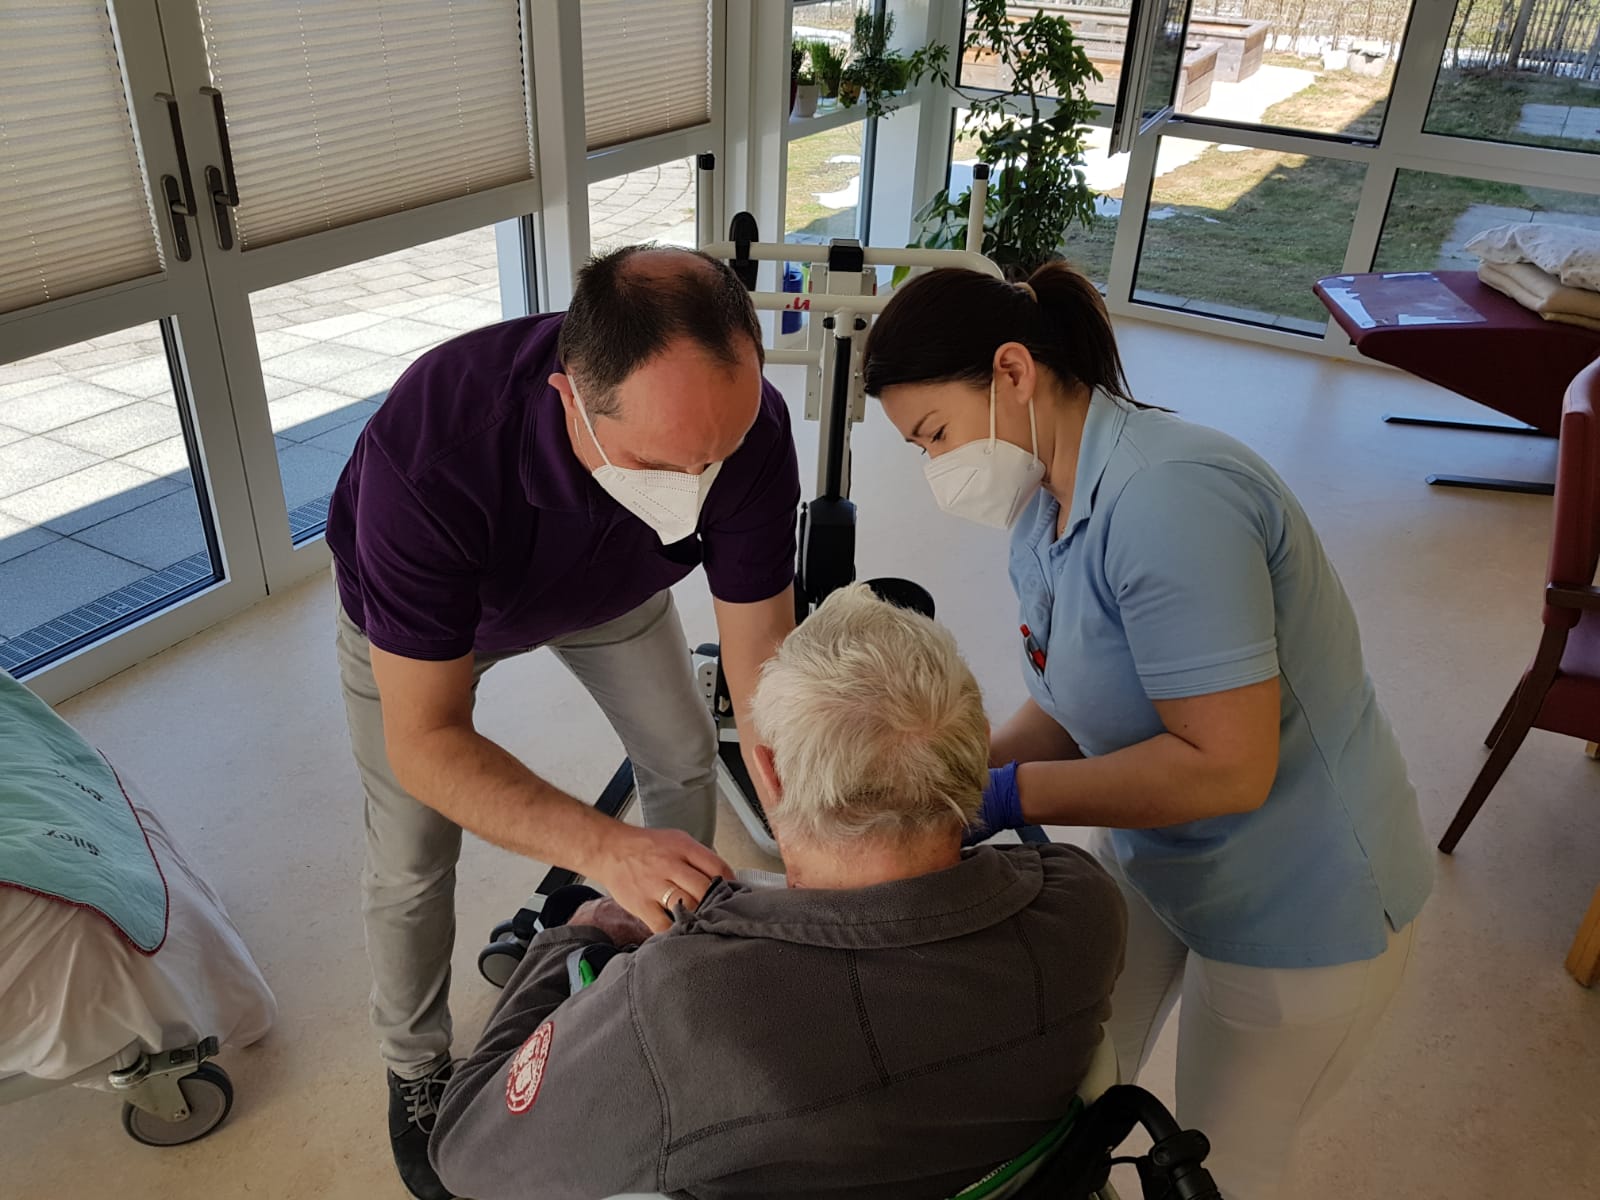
[806,95]
[827,64]
[797,61]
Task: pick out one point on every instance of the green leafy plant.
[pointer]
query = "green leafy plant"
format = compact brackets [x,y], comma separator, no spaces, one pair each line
[1037,186]
[797,58]
[875,70]
[827,63]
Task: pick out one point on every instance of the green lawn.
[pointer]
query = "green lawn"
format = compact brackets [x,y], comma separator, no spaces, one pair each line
[1488,107]
[810,172]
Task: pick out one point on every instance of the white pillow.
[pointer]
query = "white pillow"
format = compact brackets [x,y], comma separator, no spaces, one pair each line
[1570,253]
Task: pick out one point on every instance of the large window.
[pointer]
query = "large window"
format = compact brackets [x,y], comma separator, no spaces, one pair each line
[1521,71]
[101,517]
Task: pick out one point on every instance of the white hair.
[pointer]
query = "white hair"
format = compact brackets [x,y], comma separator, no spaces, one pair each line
[875,724]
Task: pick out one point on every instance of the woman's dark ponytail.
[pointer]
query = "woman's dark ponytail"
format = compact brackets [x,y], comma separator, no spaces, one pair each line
[947,324]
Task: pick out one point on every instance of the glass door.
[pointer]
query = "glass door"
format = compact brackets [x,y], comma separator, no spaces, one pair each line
[124,513]
[366,179]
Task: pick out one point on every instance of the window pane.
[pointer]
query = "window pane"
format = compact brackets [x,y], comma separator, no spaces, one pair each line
[100,518]
[1275,66]
[1101,28]
[1242,233]
[1524,73]
[655,204]
[1432,217]
[823,197]
[1087,247]
[331,345]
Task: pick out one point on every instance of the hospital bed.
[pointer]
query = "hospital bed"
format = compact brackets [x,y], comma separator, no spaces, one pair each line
[79,1004]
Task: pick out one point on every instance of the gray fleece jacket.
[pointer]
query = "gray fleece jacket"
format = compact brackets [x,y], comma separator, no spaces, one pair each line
[890,1041]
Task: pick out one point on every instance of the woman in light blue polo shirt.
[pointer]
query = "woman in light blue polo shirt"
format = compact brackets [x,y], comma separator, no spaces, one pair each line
[1197,691]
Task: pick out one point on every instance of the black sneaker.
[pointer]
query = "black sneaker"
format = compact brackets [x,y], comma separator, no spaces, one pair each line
[413,1107]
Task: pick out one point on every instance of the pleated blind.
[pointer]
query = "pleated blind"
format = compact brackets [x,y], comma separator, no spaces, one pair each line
[646,68]
[74,210]
[343,110]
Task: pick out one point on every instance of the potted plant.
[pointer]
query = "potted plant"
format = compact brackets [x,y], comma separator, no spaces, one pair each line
[827,64]
[871,65]
[805,102]
[1037,187]
[797,60]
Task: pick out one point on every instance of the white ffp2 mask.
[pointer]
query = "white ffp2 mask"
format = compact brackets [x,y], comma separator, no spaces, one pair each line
[991,481]
[667,501]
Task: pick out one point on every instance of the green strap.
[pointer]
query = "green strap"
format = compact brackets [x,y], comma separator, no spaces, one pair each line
[992,1183]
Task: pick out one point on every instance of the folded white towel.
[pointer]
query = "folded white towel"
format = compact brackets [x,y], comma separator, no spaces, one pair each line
[1570,253]
[1542,293]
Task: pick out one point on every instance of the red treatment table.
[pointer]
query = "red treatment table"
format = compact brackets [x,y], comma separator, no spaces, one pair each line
[1451,329]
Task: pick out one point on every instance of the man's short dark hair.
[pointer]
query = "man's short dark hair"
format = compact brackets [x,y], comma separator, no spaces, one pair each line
[624,312]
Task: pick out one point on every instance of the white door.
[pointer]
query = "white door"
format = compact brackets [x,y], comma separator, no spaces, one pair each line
[123,506]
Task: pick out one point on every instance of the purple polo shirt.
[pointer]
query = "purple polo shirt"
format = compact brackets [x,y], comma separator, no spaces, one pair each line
[465,522]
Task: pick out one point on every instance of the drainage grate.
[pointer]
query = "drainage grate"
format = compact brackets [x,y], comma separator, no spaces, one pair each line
[309,519]
[114,608]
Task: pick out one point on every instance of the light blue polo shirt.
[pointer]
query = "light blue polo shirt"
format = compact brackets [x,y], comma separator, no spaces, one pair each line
[1187,567]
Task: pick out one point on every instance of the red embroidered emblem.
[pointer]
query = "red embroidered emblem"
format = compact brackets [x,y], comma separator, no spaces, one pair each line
[527,1069]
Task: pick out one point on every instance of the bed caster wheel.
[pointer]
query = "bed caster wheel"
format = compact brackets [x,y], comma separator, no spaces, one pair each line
[499,932]
[499,959]
[208,1094]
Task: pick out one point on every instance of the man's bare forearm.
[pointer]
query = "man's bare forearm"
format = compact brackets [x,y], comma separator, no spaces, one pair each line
[482,788]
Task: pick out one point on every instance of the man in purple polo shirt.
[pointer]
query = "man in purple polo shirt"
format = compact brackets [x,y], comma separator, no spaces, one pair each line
[544,482]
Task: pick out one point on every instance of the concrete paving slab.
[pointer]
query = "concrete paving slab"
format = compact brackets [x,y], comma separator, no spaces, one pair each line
[316,364]
[396,336]
[87,497]
[63,403]
[55,579]
[155,535]
[34,460]
[308,473]
[302,416]
[169,457]
[123,430]
[142,379]
[19,537]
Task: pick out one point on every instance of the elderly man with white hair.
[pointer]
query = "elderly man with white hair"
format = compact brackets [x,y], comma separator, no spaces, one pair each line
[903,1017]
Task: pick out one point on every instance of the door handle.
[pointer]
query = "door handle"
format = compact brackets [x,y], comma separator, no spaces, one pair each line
[222,184]
[180,202]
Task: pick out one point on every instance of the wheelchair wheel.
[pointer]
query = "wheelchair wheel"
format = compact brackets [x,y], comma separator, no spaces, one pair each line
[499,959]
[209,1095]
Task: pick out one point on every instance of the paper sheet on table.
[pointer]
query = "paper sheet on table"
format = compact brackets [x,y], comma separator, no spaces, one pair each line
[1406,298]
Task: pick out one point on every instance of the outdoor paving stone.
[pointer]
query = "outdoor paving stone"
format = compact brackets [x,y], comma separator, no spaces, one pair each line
[169,457]
[76,361]
[308,473]
[72,502]
[19,537]
[367,382]
[270,322]
[279,341]
[438,287]
[332,327]
[397,335]
[27,463]
[307,414]
[61,404]
[340,440]
[155,535]
[404,279]
[14,389]
[461,313]
[9,435]
[315,364]
[55,579]
[1577,220]
[277,388]
[38,366]
[145,378]
[113,434]
[316,312]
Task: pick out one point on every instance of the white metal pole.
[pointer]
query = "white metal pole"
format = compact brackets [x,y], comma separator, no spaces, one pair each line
[978,207]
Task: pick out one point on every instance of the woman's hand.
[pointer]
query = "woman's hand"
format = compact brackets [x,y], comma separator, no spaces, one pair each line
[1002,806]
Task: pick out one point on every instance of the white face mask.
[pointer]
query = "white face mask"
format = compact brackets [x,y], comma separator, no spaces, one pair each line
[991,481]
[667,501]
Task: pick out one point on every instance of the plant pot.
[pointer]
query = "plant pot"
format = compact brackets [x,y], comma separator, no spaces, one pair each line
[1335,60]
[849,93]
[806,97]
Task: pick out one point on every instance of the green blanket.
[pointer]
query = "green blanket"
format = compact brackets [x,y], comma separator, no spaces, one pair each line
[67,829]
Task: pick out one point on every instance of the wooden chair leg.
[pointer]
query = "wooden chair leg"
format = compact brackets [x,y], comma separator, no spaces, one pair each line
[1584,959]
[1500,721]
[1509,742]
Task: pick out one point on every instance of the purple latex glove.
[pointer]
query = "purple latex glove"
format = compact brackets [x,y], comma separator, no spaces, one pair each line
[1002,806]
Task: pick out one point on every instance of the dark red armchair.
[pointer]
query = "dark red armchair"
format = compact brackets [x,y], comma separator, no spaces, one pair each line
[1561,691]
